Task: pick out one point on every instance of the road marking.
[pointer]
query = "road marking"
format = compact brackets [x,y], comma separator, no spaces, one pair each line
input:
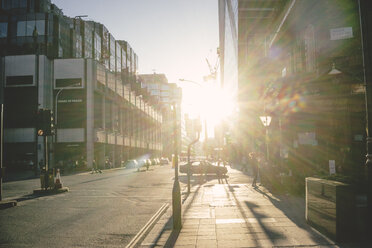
[148,225]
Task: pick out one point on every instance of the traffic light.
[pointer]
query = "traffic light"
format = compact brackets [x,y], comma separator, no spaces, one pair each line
[49,122]
[45,122]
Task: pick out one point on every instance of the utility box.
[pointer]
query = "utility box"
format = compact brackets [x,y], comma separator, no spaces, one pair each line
[330,208]
[47,179]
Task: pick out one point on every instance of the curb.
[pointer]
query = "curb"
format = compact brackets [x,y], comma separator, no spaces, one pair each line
[162,233]
[50,191]
[148,226]
[7,204]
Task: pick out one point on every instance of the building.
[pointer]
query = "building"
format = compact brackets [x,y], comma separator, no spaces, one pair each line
[168,94]
[299,62]
[77,69]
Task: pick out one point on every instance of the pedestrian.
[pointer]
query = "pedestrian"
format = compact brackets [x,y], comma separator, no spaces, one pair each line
[40,166]
[254,160]
[244,164]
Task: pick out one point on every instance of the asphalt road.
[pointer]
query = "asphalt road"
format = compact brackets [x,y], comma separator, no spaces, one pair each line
[100,210]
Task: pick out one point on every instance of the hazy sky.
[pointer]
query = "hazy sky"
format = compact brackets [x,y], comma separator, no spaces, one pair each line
[169,36]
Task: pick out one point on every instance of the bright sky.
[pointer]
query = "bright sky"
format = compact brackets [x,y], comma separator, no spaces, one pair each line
[173,37]
[170,36]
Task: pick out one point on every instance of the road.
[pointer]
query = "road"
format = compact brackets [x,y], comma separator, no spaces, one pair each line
[100,210]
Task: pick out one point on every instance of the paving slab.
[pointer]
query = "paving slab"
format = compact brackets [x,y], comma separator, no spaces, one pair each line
[238,215]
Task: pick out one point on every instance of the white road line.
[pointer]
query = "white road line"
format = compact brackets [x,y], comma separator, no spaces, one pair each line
[148,225]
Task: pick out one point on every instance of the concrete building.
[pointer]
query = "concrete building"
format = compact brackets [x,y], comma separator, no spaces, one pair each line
[299,62]
[77,69]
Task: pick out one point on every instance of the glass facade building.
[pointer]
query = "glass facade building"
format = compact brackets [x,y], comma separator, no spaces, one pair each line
[228,22]
[77,69]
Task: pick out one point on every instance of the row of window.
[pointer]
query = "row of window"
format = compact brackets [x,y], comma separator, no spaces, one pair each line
[27,28]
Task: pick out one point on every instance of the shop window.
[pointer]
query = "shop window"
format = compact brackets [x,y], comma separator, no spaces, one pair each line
[19,80]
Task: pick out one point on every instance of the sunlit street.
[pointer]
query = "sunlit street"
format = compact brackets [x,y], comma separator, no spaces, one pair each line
[100,210]
[186,123]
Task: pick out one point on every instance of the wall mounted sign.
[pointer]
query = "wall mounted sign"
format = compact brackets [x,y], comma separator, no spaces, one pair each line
[341,33]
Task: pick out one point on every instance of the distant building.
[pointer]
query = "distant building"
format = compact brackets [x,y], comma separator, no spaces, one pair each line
[167,94]
[77,69]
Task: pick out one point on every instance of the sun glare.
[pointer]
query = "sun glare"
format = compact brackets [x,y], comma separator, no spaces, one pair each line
[210,102]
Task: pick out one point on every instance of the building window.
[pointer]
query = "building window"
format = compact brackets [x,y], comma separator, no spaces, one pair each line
[19,80]
[78,46]
[97,47]
[3,29]
[14,4]
[101,75]
[88,41]
[68,82]
[26,28]
[309,46]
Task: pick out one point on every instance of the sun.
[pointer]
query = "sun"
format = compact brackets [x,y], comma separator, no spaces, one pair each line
[210,102]
[218,105]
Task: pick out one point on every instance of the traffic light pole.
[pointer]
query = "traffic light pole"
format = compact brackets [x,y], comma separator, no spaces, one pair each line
[1,150]
[46,175]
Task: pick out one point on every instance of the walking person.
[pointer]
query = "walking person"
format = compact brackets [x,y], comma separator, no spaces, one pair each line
[254,163]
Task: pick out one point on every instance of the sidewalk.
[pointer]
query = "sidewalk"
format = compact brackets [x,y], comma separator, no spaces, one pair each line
[238,215]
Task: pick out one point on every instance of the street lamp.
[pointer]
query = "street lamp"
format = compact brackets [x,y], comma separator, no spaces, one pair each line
[266,120]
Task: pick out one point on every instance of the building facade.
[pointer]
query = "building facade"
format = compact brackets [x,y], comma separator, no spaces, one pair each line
[169,95]
[299,62]
[77,69]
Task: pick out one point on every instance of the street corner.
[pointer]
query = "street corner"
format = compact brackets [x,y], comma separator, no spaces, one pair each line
[7,204]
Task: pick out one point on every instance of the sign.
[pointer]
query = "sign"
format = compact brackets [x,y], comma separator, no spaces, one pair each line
[70,100]
[341,33]
[307,138]
[332,167]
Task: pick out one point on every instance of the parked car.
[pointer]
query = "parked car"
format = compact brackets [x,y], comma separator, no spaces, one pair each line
[203,167]
[164,161]
[131,164]
[153,161]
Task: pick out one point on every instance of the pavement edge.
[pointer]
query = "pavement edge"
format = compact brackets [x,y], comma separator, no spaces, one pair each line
[145,229]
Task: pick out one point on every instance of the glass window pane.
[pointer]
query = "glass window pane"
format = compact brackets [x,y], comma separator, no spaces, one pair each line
[23,4]
[30,26]
[97,47]
[3,29]
[40,26]
[15,4]
[21,28]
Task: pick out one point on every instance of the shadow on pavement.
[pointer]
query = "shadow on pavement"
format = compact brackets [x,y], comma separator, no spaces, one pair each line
[241,210]
[201,179]
[293,208]
[172,239]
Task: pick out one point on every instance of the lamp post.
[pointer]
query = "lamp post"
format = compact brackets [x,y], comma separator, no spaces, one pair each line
[266,120]
[176,192]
